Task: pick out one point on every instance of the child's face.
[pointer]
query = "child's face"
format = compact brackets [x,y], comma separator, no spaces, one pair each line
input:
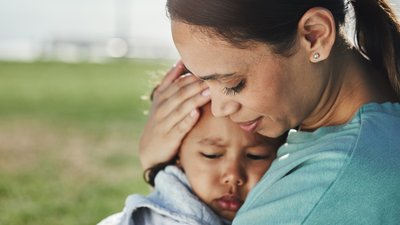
[223,162]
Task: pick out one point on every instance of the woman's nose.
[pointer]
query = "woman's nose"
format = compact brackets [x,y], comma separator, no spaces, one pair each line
[222,106]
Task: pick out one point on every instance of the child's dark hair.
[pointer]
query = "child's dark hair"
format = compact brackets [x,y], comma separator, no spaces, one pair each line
[150,174]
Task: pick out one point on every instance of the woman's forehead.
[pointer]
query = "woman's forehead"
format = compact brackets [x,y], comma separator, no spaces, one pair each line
[205,54]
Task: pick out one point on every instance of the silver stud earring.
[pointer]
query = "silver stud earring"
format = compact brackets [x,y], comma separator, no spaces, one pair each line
[316,56]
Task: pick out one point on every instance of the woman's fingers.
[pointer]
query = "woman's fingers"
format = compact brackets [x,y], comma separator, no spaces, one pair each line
[159,143]
[185,125]
[191,95]
[172,75]
[176,115]
[182,114]
[182,81]
[173,114]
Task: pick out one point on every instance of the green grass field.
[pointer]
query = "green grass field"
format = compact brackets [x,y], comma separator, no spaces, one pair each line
[68,139]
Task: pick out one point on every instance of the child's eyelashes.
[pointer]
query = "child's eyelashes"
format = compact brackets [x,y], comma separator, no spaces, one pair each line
[210,156]
[257,157]
[236,89]
[248,156]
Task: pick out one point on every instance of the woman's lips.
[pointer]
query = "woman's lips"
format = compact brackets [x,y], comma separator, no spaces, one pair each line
[250,126]
[230,203]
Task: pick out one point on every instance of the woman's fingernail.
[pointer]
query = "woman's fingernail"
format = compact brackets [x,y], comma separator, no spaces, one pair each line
[177,64]
[206,92]
[193,113]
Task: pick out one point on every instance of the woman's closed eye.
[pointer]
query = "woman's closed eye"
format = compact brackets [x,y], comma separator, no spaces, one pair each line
[236,89]
[210,156]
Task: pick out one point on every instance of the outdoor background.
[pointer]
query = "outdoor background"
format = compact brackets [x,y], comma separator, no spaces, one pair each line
[74,77]
[74,80]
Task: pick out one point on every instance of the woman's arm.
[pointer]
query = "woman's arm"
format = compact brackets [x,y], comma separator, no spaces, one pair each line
[172,115]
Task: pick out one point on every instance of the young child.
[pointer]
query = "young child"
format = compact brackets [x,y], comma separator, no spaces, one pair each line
[217,165]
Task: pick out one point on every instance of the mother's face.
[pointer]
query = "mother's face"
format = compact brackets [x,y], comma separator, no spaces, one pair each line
[261,91]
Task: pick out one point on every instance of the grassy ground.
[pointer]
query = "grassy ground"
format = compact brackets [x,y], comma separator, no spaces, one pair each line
[68,139]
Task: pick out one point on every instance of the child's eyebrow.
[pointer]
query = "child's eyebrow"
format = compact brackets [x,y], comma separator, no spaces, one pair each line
[212,141]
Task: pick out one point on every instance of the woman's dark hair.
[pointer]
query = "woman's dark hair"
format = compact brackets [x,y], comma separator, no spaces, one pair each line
[378,37]
[377,34]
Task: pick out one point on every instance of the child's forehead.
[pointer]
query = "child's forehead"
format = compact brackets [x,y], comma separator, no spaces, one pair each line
[225,141]
[217,134]
[206,110]
[219,129]
[206,117]
[216,141]
[224,131]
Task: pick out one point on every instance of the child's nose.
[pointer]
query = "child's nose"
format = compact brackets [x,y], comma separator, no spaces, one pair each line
[234,174]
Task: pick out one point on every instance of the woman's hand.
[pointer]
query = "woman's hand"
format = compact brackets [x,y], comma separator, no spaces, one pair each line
[173,114]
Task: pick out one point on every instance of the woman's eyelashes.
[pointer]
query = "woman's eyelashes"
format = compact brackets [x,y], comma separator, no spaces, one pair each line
[236,89]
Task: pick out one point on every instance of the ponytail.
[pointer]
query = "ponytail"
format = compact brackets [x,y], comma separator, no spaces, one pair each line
[377,36]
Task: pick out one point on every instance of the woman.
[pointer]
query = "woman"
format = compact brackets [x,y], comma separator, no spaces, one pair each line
[271,66]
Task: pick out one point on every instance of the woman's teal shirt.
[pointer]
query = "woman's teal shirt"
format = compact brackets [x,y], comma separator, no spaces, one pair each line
[339,175]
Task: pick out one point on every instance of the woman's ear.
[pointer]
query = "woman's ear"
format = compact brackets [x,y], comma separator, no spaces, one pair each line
[317,33]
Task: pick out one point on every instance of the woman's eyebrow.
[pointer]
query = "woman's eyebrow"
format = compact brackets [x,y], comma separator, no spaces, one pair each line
[216,76]
[212,141]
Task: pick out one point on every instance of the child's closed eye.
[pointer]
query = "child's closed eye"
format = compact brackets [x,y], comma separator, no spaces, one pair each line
[210,156]
[257,157]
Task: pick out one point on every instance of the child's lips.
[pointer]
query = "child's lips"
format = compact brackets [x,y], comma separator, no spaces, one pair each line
[230,203]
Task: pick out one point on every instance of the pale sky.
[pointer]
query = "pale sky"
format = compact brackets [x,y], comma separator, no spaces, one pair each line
[44,20]
[82,18]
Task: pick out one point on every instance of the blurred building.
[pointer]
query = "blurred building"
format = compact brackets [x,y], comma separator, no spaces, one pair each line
[75,50]
[84,30]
